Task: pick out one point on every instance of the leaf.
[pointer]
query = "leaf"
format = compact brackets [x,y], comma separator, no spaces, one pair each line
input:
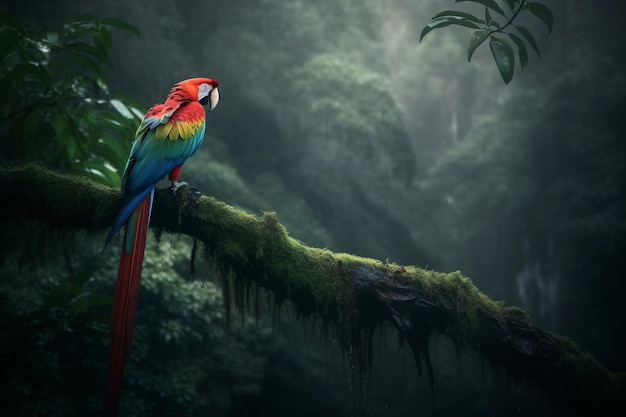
[477,39]
[33,120]
[488,17]
[85,112]
[511,4]
[542,12]
[455,13]
[504,57]
[87,62]
[487,3]
[79,305]
[52,38]
[129,101]
[96,300]
[529,37]
[110,123]
[97,50]
[447,21]
[86,19]
[60,128]
[98,172]
[490,20]
[121,108]
[58,296]
[71,148]
[114,147]
[109,21]
[107,42]
[138,113]
[81,277]
[521,49]
[83,26]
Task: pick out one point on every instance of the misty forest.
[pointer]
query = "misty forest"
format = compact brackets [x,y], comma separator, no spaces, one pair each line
[408,208]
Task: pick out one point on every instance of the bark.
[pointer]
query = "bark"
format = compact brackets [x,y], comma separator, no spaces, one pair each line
[355,294]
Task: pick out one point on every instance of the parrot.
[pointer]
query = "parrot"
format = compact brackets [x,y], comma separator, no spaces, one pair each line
[169,133]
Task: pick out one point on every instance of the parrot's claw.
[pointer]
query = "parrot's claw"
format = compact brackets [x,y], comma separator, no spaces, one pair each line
[190,192]
[176,185]
[195,192]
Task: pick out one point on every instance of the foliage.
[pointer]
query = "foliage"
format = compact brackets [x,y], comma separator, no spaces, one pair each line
[177,328]
[488,27]
[51,324]
[59,108]
[54,345]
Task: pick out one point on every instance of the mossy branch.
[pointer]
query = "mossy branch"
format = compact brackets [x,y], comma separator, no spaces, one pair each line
[354,292]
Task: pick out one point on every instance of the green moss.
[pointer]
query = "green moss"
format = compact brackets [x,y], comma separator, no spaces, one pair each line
[244,242]
[265,245]
[469,302]
[261,241]
[513,310]
[350,259]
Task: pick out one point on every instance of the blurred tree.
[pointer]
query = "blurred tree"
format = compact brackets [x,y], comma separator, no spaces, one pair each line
[54,324]
[50,324]
[543,196]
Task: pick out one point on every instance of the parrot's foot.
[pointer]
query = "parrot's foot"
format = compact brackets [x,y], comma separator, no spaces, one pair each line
[176,185]
[191,192]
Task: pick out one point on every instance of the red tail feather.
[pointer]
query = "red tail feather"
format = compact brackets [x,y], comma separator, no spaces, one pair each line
[125,303]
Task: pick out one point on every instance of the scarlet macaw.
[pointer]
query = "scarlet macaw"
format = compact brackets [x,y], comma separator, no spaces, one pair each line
[168,134]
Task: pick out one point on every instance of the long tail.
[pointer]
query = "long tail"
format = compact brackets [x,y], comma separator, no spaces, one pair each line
[125,301]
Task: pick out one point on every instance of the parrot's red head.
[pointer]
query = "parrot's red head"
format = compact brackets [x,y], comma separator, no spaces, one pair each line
[203,90]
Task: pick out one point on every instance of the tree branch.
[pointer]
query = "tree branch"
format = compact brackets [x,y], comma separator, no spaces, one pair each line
[356,293]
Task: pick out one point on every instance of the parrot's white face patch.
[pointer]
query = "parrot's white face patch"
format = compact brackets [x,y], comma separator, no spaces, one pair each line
[203,91]
[207,94]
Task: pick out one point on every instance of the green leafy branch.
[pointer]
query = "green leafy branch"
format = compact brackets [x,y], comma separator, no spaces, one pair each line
[58,107]
[488,27]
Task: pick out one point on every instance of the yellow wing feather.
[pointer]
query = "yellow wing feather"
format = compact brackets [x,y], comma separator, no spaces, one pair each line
[174,132]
